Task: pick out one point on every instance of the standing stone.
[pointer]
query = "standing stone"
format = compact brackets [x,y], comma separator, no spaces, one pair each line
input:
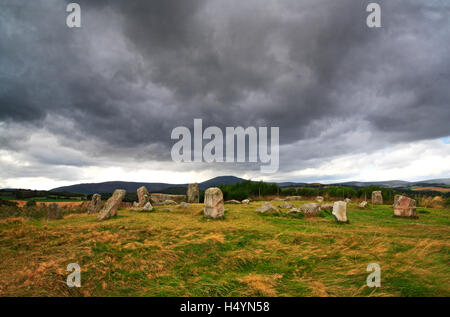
[363,204]
[310,209]
[193,195]
[246,201]
[405,207]
[396,199]
[319,198]
[95,204]
[54,212]
[112,204]
[340,211]
[143,196]
[377,197]
[214,207]
[347,200]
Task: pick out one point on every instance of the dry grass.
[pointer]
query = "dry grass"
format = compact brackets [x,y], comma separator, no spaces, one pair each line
[180,253]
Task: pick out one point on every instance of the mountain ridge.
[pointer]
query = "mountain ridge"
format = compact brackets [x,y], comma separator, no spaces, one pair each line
[108,187]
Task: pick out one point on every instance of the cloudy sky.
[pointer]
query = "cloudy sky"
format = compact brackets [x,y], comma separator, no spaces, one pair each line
[99,103]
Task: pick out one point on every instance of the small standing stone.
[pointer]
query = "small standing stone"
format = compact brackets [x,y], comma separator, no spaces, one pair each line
[95,205]
[405,207]
[112,204]
[193,195]
[347,200]
[377,197]
[246,201]
[214,207]
[363,204]
[340,211]
[143,196]
[54,212]
[319,198]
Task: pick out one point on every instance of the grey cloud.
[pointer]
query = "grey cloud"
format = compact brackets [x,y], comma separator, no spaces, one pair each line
[135,70]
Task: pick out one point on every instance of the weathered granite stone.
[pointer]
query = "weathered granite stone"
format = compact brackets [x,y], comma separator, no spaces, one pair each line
[214,207]
[377,197]
[147,207]
[158,199]
[95,205]
[286,206]
[319,198]
[347,200]
[54,212]
[405,207]
[310,209]
[246,201]
[363,204]
[112,204]
[193,194]
[143,196]
[340,211]
[266,207]
[183,205]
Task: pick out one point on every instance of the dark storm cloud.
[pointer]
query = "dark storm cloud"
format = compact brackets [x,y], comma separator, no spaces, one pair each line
[137,69]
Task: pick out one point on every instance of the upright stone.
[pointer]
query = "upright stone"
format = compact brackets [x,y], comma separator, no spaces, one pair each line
[143,196]
[193,195]
[95,205]
[377,197]
[214,207]
[112,204]
[54,212]
[319,198]
[396,199]
[405,207]
[340,211]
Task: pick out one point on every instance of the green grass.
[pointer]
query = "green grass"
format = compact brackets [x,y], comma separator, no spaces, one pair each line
[181,253]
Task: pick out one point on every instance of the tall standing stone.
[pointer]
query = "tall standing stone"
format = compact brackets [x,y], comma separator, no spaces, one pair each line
[214,207]
[405,207]
[377,197]
[193,195]
[54,212]
[143,196]
[340,211]
[95,205]
[112,204]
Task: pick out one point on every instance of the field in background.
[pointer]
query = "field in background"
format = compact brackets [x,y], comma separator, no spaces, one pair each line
[436,189]
[180,253]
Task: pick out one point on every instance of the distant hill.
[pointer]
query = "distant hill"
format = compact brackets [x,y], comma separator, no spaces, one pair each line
[108,187]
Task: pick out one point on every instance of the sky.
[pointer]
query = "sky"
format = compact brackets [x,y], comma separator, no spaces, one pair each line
[99,103]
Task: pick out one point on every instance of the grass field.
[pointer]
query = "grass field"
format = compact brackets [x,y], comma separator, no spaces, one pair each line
[180,253]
